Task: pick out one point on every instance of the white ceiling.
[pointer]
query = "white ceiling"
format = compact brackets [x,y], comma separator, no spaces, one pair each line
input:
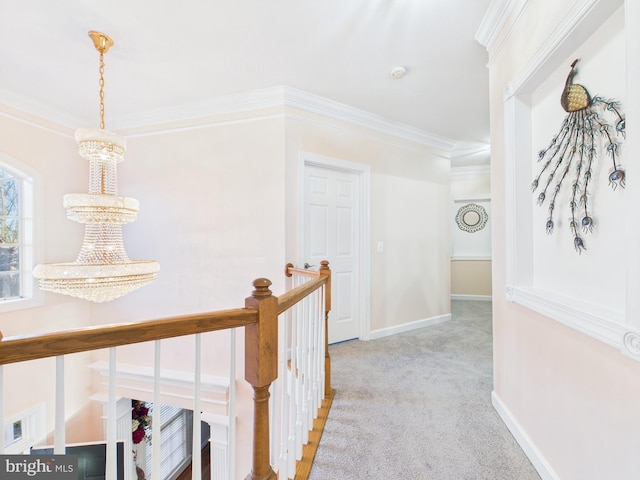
[170,53]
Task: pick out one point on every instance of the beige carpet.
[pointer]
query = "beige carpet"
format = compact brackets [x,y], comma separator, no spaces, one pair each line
[417,405]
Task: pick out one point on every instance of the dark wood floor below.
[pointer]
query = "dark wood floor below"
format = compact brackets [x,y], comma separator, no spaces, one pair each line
[206,466]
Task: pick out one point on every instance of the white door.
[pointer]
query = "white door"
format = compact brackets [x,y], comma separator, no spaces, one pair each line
[331,226]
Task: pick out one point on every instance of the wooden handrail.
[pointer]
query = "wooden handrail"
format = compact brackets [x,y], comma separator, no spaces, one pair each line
[293,296]
[290,270]
[31,347]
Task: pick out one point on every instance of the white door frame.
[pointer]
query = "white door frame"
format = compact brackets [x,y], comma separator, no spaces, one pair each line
[364,248]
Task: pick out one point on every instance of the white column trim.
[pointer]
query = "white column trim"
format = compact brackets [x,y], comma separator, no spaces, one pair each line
[219,444]
[176,386]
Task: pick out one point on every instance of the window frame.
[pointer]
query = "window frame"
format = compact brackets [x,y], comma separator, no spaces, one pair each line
[30,241]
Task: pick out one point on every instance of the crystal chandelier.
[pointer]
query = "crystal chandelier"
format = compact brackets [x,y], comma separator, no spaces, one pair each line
[102,271]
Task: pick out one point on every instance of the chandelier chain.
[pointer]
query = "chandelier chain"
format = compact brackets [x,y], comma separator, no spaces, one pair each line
[102,90]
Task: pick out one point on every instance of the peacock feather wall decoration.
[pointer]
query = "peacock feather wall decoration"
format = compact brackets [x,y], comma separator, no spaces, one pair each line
[589,121]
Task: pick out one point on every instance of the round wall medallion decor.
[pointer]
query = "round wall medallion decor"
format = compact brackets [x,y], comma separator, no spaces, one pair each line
[632,343]
[472,218]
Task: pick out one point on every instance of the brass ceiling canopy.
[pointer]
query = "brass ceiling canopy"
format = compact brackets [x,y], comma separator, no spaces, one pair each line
[102,41]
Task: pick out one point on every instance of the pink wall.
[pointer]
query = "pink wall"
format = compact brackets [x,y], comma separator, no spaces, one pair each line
[409,212]
[217,210]
[51,151]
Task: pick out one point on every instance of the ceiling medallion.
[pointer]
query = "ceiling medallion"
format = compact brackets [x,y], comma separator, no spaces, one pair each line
[472,218]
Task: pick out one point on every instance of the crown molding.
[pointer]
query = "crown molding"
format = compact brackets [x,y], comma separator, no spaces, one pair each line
[493,22]
[501,16]
[200,113]
[280,97]
[470,170]
[36,113]
[338,111]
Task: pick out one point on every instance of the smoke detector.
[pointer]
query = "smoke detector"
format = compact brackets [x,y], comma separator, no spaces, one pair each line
[398,72]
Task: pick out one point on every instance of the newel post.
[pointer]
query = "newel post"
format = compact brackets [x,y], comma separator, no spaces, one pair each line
[260,370]
[326,271]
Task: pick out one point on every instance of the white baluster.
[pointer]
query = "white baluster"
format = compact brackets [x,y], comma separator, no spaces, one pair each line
[196,459]
[112,465]
[319,355]
[278,432]
[2,408]
[60,439]
[156,425]
[232,407]
[292,386]
[321,347]
[274,417]
[304,374]
[314,358]
[286,393]
[297,372]
[311,351]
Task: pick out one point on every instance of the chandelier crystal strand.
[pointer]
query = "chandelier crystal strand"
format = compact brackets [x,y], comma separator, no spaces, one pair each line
[102,270]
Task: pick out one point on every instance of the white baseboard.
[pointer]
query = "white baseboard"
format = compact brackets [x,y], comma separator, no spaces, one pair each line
[407,327]
[535,456]
[482,298]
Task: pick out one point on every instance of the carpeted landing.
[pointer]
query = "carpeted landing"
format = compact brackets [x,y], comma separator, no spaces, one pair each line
[417,406]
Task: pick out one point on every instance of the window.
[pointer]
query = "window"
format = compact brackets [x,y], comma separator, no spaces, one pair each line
[13,433]
[9,236]
[17,235]
[175,448]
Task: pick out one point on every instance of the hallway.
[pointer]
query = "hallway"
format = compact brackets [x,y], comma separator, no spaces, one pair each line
[418,405]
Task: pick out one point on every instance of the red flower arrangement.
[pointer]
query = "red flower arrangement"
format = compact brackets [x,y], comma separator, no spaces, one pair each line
[140,421]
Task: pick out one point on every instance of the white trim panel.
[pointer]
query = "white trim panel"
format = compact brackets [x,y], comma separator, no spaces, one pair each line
[596,321]
[176,387]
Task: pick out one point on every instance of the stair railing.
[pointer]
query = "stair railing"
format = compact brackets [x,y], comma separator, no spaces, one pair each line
[259,317]
[304,365]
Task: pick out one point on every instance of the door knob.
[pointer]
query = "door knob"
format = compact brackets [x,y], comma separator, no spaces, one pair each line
[306,265]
